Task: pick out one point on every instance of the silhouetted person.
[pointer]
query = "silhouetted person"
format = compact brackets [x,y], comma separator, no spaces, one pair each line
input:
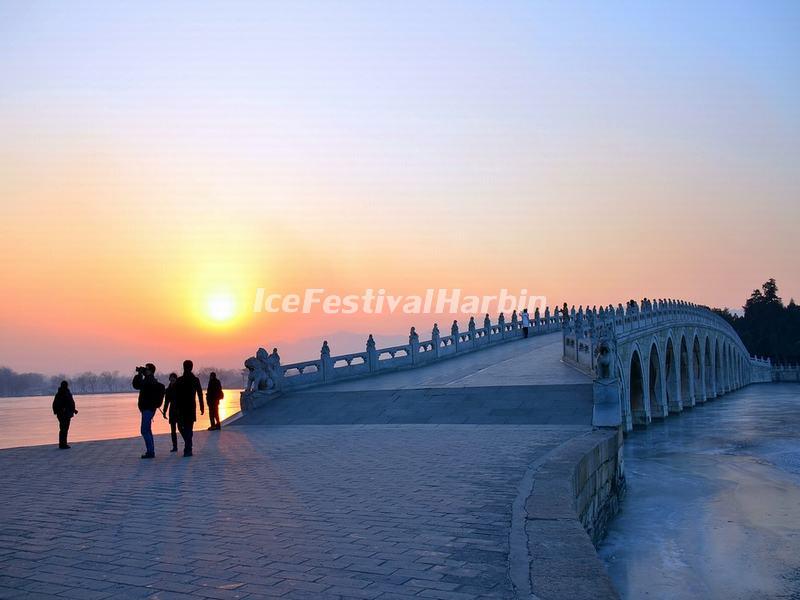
[170,404]
[187,386]
[526,322]
[64,409]
[151,395]
[214,394]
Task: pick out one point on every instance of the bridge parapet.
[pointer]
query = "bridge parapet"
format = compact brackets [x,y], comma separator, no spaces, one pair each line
[786,373]
[267,376]
[661,356]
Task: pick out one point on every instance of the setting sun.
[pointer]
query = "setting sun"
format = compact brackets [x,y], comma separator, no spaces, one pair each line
[221,307]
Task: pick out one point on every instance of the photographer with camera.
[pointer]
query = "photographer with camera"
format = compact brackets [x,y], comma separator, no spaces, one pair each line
[151,395]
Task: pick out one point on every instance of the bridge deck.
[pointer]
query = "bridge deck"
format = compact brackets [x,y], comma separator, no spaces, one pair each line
[526,362]
[522,382]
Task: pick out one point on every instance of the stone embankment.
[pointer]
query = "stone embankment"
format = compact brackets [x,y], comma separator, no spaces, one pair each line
[572,493]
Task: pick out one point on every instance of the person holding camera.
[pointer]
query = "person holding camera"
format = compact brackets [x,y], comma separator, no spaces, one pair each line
[151,395]
[186,387]
[64,409]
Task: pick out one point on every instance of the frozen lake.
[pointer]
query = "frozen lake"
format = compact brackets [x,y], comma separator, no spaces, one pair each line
[713,503]
[29,420]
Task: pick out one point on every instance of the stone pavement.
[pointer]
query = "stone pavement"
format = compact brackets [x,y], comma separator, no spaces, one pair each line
[351,511]
[518,405]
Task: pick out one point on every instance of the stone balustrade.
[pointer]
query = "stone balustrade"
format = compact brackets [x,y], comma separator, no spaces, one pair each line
[268,376]
[586,327]
[786,373]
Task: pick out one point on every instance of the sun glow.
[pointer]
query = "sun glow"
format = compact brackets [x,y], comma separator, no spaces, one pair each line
[221,307]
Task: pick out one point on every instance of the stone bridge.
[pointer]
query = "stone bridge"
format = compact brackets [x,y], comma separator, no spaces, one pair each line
[569,390]
[664,355]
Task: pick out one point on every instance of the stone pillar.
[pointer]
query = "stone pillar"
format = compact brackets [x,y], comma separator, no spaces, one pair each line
[275,370]
[325,361]
[435,340]
[372,354]
[473,335]
[606,391]
[454,333]
[413,342]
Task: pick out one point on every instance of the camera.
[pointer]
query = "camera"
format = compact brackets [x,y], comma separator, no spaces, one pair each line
[140,370]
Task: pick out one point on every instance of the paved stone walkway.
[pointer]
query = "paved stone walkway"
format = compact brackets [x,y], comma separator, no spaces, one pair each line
[374,511]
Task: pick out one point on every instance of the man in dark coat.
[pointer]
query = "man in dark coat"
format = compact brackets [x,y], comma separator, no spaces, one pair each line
[214,394]
[151,395]
[170,405]
[64,409]
[186,387]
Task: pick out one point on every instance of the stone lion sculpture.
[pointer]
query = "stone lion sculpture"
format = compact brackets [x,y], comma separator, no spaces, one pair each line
[258,377]
[605,359]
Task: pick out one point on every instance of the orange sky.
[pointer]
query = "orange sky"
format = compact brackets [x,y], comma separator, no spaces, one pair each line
[139,179]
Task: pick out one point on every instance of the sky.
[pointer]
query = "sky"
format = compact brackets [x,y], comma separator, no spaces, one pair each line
[159,162]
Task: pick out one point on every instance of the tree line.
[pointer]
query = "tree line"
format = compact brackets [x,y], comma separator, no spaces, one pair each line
[768,328]
[38,384]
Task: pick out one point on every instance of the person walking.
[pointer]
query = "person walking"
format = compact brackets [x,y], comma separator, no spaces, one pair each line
[214,394]
[526,322]
[171,406]
[151,395]
[186,387]
[64,409]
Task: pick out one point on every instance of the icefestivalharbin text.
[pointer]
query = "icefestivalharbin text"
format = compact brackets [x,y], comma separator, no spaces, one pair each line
[371,301]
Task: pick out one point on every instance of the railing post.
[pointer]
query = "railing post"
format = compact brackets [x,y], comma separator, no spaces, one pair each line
[454,333]
[413,342]
[372,354]
[472,329]
[325,362]
[435,340]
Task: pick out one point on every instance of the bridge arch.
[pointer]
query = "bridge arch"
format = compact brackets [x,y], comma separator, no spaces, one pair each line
[672,373]
[709,369]
[697,369]
[655,383]
[637,408]
[687,389]
[726,361]
[718,368]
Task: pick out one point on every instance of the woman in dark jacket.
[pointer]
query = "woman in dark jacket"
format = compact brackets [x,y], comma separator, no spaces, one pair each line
[64,409]
[169,404]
